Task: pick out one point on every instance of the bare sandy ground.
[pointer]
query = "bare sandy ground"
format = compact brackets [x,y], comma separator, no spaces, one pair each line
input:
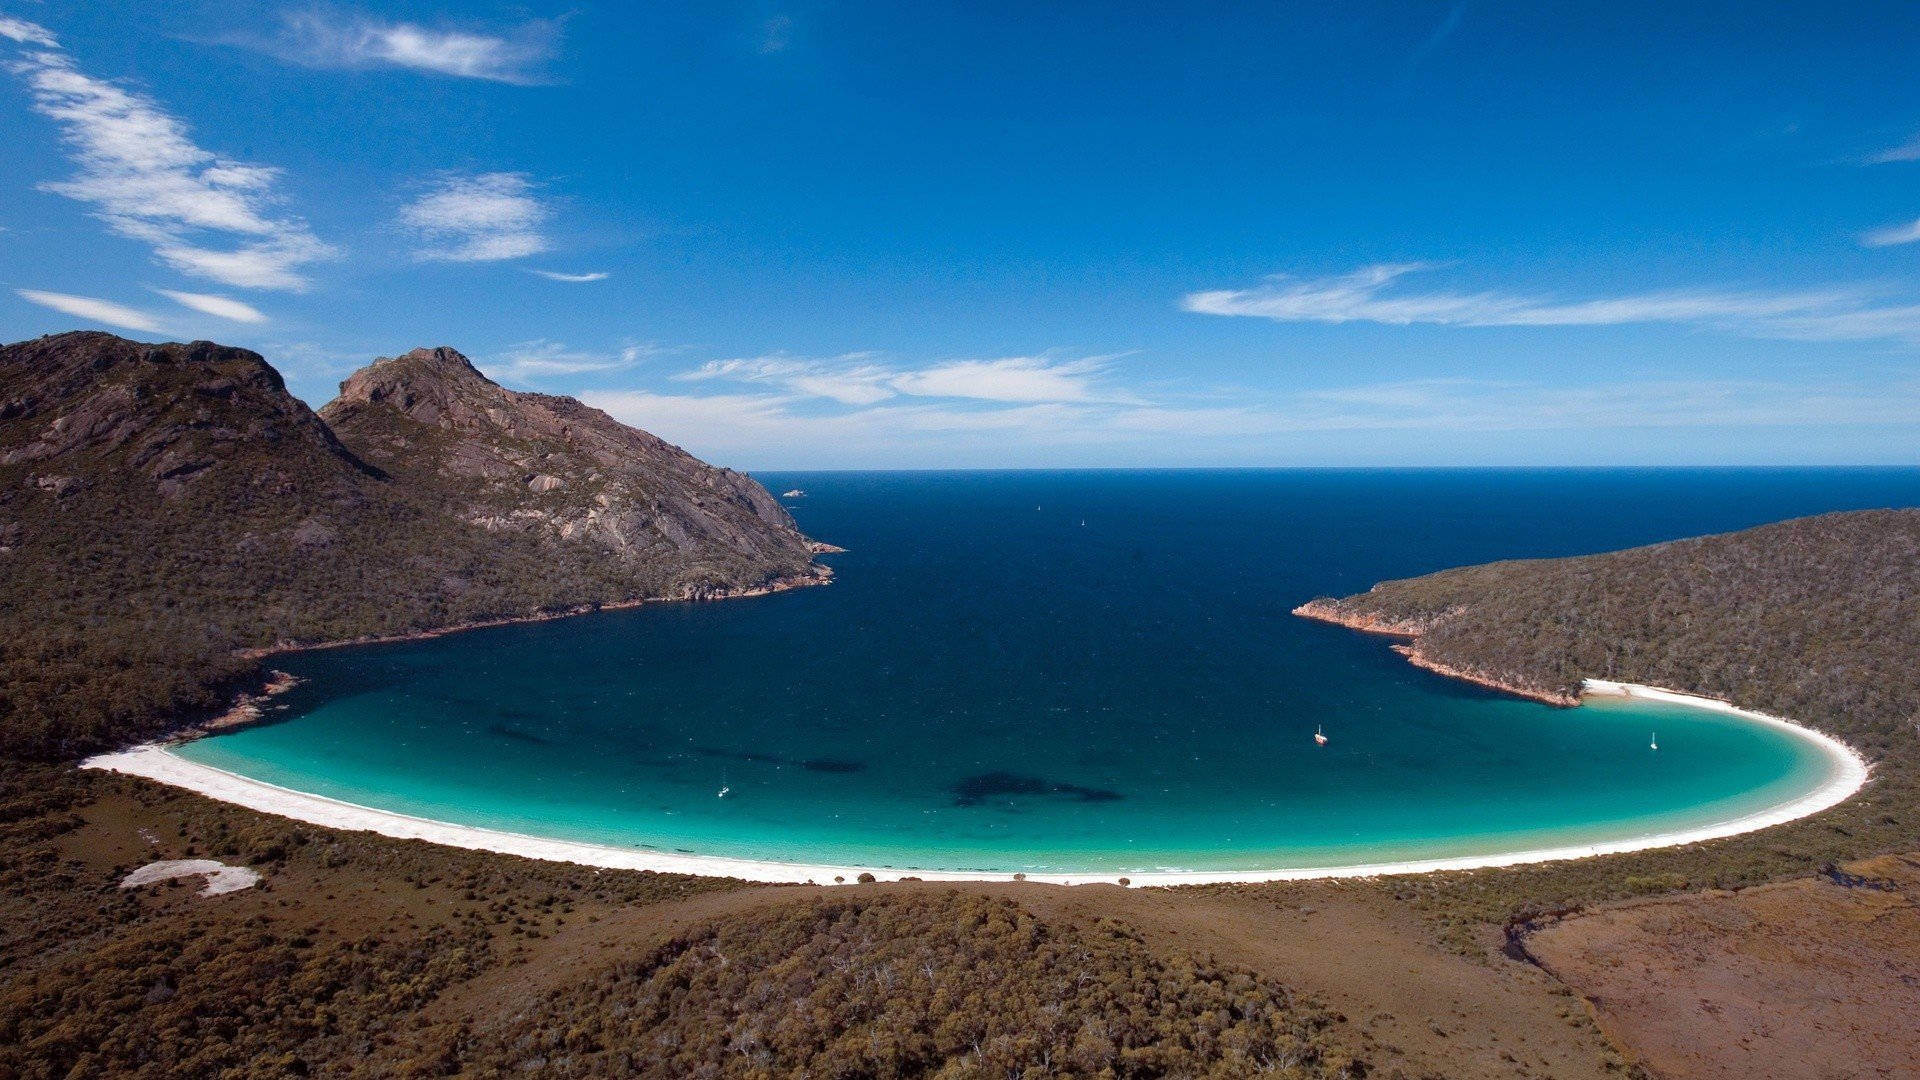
[1806,979]
[221,878]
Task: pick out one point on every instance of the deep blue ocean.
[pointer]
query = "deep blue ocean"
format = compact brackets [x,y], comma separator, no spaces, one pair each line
[1082,671]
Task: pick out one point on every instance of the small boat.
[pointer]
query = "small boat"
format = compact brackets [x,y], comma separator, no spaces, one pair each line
[723,792]
[1656,741]
[796,493]
[1319,737]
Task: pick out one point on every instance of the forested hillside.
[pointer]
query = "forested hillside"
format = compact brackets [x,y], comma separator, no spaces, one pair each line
[1816,618]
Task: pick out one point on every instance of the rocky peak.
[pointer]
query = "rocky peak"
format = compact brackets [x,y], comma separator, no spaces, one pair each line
[550,465]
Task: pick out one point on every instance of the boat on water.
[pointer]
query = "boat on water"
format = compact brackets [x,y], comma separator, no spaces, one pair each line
[1319,737]
[1655,745]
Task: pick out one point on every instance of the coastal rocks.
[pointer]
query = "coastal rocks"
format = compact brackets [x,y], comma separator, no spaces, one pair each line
[1351,614]
[251,708]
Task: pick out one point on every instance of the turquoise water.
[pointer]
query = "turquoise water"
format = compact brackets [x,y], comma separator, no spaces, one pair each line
[994,685]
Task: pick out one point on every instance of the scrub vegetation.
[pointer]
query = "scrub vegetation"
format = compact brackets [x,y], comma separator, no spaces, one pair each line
[948,985]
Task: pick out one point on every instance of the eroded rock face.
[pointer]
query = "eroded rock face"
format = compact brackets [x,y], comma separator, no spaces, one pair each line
[552,466]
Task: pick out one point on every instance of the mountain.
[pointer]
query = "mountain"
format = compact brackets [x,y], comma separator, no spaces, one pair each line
[164,505]
[554,468]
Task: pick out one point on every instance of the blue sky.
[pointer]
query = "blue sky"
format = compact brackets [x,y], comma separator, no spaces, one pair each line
[983,235]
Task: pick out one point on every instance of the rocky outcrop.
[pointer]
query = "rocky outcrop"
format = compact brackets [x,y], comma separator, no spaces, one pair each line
[559,469]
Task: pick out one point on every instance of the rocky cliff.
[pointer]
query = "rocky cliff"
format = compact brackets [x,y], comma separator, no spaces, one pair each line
[554,468]
[162,506]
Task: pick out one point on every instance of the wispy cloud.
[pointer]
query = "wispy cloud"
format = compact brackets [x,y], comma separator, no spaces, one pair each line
[577,279]
[1013,378]
[855,378]
[864,378]
[776,34]
[27,33]
[1906,151]
[535,360]
[1893,234]
[93,309]
[1440,33]
[225,307]
[329,37]
[1368,295]
[484,217]
[146,178]
[1493,405]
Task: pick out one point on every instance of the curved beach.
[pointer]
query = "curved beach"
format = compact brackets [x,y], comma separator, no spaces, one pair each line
[155,761]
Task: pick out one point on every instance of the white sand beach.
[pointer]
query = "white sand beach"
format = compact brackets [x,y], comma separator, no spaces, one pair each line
[156,762]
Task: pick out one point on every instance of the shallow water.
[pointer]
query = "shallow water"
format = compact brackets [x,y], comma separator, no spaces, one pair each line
[1082,671]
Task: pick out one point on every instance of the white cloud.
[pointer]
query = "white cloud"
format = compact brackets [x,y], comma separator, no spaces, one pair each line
[27,33]
[225,307]
[1366,295]
[145,177]
[577,279]
[327,37]
[93,310]
[860,378]
[484,217]
[1895,234]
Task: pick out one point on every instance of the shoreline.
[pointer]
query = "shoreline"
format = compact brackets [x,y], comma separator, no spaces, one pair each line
[820,575]
[154,761]
[1327,612]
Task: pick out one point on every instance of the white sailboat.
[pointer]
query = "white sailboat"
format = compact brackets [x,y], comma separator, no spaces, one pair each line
[1319,737]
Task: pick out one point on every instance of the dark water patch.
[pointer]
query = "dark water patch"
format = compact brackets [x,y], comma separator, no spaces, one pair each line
[819,765]
[832,765]
[744,755]
[517,735]
[974,790]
